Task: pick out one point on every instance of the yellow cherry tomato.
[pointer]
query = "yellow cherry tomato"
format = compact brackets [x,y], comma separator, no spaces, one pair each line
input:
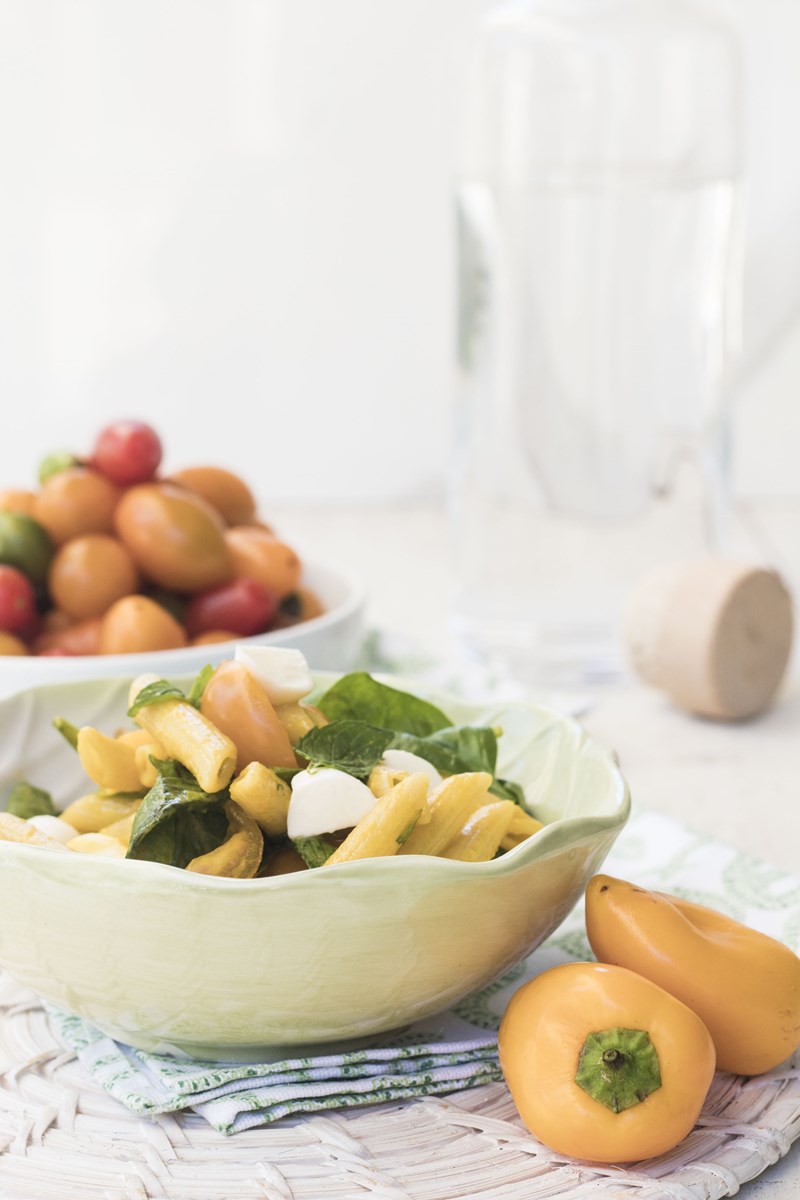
[744,985]
[257,554]
[603,1064]
[136,625]
[89,573]
[223,490]
[18,500]
[11,645]
[174,536]
[74,502]
[238,705]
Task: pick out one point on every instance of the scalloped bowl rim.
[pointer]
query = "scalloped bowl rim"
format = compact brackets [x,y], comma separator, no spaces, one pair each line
[131,665]
[551,838]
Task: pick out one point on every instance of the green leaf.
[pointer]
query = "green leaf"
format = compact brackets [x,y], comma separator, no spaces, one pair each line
[462,748]
[287,774]
[506,789]
[177,820]
[459,748]
[406,833]
[199,685]
[67,730]
[25,800]
[351,746]
[155,693]
[359,697]
[314,851]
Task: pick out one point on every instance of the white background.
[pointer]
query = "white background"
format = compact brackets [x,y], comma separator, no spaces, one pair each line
[232,218]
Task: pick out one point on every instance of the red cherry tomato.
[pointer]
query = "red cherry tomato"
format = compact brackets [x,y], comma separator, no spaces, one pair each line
[17,601]
[243,606]
[127,452]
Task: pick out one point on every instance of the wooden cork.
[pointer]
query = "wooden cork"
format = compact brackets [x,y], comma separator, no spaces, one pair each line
[715,635]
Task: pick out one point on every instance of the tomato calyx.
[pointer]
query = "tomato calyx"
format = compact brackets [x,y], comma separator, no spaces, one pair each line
[618,1068]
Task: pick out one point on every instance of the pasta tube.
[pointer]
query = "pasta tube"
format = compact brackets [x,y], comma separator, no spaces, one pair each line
[450,806]
[189,737]
[480,838]
[264,796]
[107,761]
[92,813]
[15,829]
[97,843]
[380,832]
[239,856]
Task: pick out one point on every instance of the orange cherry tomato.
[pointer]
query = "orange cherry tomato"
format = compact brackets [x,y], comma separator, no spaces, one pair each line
[11,645]
[76,637]
[74,502]
[175,537]
[136,625]
[89,573]
[17,500]
[238,705]
[257,554]
[223,490]
[214,635]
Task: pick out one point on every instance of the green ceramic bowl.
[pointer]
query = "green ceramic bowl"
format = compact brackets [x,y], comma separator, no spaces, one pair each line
[165,959]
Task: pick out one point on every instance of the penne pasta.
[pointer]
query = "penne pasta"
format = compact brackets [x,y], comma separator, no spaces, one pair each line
[189,737]
[381,831]
[16,829]
[109,762]
[97,843]
[239,856]
[450,806]
[480,838]
[93,813]
[383,779]
[298,719]
[264,796]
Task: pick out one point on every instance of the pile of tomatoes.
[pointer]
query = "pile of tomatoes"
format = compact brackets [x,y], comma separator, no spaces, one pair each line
[107,556]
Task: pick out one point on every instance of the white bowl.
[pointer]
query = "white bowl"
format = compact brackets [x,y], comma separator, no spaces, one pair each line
[168,959]
[330,641]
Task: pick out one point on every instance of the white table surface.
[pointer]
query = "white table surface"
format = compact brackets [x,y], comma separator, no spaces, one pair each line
[739,782]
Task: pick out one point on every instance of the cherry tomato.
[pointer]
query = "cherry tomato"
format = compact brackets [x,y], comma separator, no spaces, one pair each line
[12,645]
[174,536]
[136,624]
[89,573]
[257,554]
[75,501]
[243,605]
[17,600]
[77,637]
[226,492]
[127,452]
[18,500]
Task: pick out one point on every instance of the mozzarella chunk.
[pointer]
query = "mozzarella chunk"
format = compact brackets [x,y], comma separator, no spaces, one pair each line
[283,673]
[404,760]
[54,827]
[324,800]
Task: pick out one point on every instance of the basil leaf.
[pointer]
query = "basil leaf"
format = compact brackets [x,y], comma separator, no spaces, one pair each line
[67,730]
[199,685]
[359,697]
[459,748]
[154,693]
[462,748]
[314,851]
[177,820]
[25,800]
[506,789]
[287,774]
[406,833]
[351,746]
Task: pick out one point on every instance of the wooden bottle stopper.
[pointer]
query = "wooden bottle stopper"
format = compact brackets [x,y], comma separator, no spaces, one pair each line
[715,635]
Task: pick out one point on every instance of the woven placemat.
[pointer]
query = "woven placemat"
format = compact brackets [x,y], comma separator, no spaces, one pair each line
[63,1138]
